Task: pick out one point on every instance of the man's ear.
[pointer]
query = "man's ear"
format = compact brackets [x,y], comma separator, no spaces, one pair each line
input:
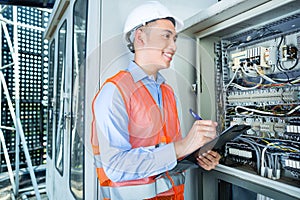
[140,37]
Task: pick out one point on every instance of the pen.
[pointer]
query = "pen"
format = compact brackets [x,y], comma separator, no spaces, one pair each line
[195,115]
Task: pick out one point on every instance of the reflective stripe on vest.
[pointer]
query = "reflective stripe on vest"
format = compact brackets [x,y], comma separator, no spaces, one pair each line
[144,191]
[157,127]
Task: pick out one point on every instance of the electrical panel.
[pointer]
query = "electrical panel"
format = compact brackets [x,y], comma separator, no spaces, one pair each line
[258,84]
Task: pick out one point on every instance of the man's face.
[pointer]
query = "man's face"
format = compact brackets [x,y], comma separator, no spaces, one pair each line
[159,44]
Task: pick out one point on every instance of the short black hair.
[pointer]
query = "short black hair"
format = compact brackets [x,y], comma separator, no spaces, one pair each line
[168,18]
[171,19]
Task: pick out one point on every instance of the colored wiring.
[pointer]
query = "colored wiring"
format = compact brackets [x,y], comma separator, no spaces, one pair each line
[264,112]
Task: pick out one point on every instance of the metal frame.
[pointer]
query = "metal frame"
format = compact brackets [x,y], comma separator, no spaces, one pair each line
[15,114]
[252,182]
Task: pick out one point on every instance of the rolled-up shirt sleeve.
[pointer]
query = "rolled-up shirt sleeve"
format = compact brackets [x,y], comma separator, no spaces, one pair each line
[120,161]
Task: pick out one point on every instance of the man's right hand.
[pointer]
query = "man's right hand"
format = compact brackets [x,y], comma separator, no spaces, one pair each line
[201,132]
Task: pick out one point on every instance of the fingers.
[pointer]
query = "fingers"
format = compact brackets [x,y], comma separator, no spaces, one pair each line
[201,132]
[209,160]
[206,123]
[206,127]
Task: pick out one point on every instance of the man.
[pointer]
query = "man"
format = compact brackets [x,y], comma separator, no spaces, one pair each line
[136,117]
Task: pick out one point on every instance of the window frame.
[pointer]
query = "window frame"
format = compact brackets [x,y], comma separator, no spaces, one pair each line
[50,108]
[58,91]
[81,91]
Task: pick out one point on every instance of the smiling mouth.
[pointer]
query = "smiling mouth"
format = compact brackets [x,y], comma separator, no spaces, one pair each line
[168,55]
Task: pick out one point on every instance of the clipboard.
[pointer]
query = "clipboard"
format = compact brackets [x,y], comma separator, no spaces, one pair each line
[217,143]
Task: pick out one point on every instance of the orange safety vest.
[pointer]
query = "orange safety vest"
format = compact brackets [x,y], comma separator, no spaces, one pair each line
[144,117]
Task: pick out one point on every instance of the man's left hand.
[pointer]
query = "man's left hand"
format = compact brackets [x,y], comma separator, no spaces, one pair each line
[209,160]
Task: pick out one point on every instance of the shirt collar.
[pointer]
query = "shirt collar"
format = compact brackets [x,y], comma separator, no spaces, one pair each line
[138,74]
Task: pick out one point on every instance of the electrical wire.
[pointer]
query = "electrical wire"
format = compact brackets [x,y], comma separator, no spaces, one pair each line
[290,68]
[265,112]
[240,86]
[279,145]
[262,169]
[249,73]
[233,77]
[278,55]
[256,152]
[247,88]
[264,76]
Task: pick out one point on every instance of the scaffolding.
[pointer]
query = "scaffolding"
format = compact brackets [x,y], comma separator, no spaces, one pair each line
[13,95]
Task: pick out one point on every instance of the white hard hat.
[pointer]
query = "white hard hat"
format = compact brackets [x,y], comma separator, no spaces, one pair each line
[152,10]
